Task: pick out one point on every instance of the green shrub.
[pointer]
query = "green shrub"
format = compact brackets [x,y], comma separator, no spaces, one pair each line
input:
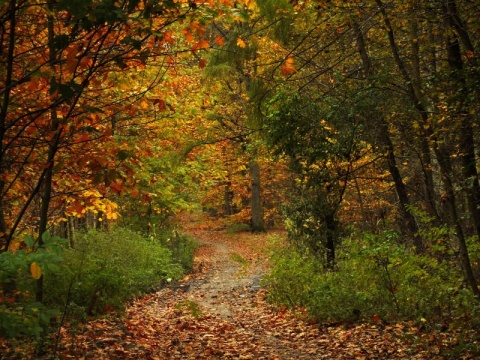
[236,227]
[20,314]
[375,276]
[290,279]
[107,269]
[181,246]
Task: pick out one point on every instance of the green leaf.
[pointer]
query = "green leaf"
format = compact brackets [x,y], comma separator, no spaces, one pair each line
[60,42]
[123,155]
[77,8]
[46,237]
[28,240]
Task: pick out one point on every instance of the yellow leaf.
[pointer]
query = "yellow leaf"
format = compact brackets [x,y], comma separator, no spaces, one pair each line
[35,270]
[124,86]
[144,104]
[241,43]
[251,4]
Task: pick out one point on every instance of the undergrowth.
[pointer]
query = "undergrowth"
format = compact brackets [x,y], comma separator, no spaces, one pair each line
[99,275]
[375,278]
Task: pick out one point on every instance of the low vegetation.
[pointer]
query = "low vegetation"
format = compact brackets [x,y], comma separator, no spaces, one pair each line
[376,279]
[99,275]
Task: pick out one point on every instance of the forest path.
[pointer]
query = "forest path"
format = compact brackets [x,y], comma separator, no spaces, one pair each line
[220,312]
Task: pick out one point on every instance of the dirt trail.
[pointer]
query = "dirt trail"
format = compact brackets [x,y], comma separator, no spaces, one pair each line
[227,287]
[212,292]
[228,275]
[220,312]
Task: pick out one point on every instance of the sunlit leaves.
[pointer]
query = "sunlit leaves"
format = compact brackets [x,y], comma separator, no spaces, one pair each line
[94,75]
[241,43]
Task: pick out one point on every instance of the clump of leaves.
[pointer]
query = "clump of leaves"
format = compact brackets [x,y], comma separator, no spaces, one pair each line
[190,307]
[236,227]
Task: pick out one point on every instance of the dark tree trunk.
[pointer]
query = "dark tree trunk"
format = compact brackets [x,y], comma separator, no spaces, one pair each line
[410,226]
[71,231]
[427,169]
[10,57]
[443,159]
[467,141]
[331,225]
[228,198]
[46,193]
[258,225]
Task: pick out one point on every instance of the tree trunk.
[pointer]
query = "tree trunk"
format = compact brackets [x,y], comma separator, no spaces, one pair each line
[331,238]
[258,225]
[227,198]
[71,231]
[410,228]
[425,157]
[46,193]
[467,144]
[443,159]
[10,56]
[427,168]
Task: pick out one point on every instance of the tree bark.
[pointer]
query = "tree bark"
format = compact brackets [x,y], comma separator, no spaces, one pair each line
[46,194]
[411,228]
[467,144]
[442,159]
[4,238]
[258,225]
[227,198]
[331,226]
[71,231]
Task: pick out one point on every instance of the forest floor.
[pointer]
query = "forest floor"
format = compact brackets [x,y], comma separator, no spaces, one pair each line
[220,312]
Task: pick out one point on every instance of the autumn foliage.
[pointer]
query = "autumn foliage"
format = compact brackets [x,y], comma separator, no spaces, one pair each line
[354,125]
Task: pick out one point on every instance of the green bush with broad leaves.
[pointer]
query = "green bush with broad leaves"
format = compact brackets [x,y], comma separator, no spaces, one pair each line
[101,273]
[107,269]
[20,314]
[375,277]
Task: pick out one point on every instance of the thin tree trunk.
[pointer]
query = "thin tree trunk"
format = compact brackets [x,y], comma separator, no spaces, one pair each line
[4,238]
[360,201]
[71,231]
[227,198]
[427,168]
[443,161]
[46,194]
[331,236]
[467,141]
[426,159]
[411,228]
[258,225]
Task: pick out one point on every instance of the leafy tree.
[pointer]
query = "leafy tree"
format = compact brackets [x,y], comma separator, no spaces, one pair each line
[395,69]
